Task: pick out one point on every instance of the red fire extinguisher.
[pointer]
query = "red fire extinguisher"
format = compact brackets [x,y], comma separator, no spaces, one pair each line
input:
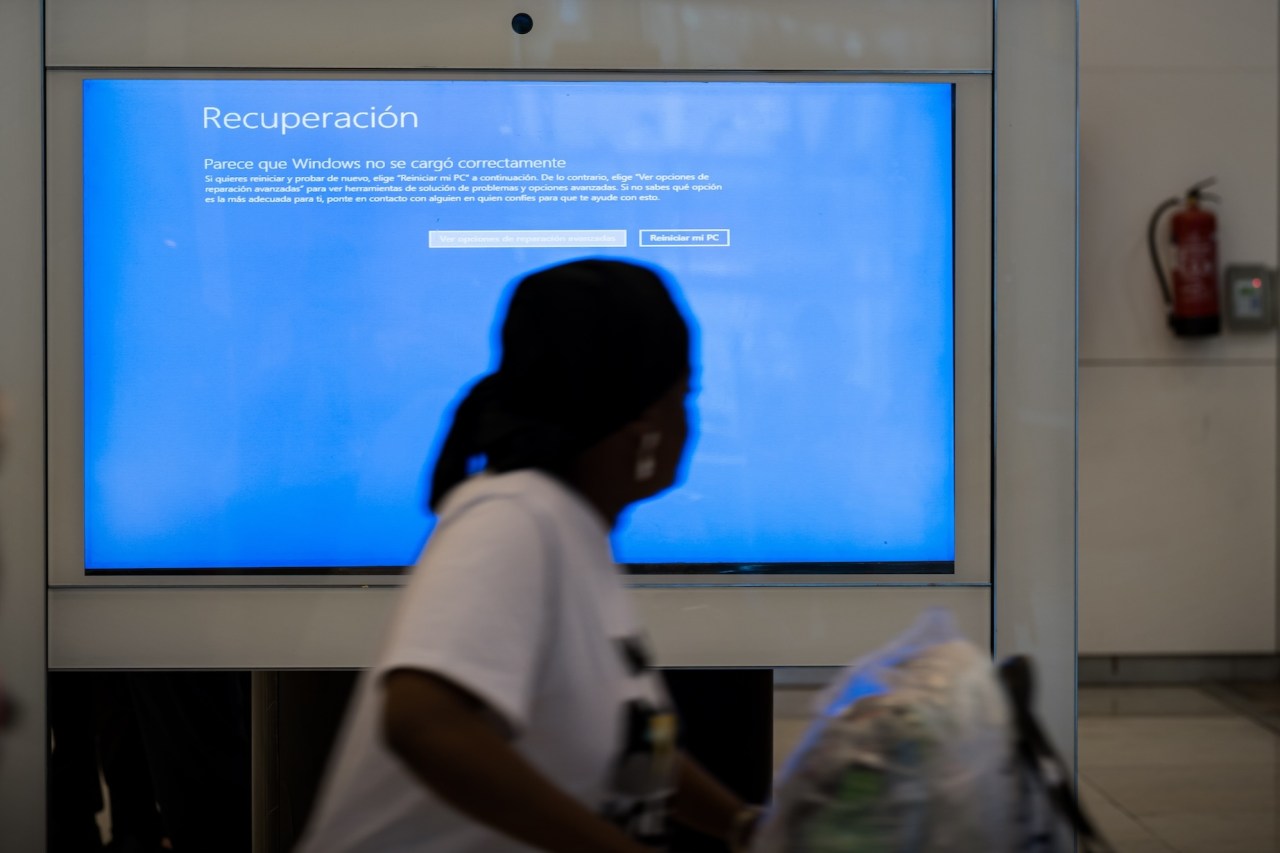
[1193,301]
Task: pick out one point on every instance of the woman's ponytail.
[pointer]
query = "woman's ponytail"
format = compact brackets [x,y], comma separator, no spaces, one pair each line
[462,443]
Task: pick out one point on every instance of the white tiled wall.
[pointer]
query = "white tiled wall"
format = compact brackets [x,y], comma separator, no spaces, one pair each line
[1178,506]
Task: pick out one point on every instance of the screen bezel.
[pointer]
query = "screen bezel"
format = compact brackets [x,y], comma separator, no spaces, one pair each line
[972,318]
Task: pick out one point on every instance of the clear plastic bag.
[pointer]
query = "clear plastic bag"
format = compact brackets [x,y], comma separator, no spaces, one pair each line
[910,753]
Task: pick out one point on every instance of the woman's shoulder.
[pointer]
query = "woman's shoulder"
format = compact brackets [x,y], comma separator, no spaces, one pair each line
[533,494]
[515,517]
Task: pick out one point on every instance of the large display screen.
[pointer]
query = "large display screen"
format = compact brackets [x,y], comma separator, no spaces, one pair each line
[288,282]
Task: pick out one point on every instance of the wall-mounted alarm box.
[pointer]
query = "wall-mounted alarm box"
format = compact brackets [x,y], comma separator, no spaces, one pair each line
[1250,297]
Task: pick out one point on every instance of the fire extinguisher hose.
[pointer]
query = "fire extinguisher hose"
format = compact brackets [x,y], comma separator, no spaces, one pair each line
[1152,226]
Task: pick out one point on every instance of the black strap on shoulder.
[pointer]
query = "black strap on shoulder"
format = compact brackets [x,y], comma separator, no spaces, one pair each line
[1017,675]
[635,655]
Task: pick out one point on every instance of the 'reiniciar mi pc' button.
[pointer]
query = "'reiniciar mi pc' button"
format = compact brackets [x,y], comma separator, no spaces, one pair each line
[700,237]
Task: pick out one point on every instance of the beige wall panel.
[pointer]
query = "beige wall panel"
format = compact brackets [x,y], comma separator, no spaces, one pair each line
[722,34]
[342,628]
[1178,510]
[1182,34]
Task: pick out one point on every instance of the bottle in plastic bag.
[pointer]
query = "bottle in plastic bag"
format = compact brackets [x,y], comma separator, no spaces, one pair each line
[911,752]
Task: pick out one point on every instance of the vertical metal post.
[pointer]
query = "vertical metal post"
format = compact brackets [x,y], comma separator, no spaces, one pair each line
[24,749]
[265,761]
[1036,202]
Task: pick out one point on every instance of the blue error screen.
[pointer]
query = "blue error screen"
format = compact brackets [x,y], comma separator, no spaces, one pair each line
[287,284]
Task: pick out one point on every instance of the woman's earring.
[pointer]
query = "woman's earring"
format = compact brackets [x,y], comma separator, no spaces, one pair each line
[646,456]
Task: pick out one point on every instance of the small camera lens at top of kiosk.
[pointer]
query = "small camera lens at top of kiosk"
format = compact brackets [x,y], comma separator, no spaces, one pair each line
[522,23]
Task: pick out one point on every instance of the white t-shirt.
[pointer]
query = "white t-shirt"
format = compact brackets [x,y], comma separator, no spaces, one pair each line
[516,598]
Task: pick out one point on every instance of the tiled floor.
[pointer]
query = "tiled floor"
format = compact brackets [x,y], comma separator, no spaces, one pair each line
[1162,769]
[1180,770]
